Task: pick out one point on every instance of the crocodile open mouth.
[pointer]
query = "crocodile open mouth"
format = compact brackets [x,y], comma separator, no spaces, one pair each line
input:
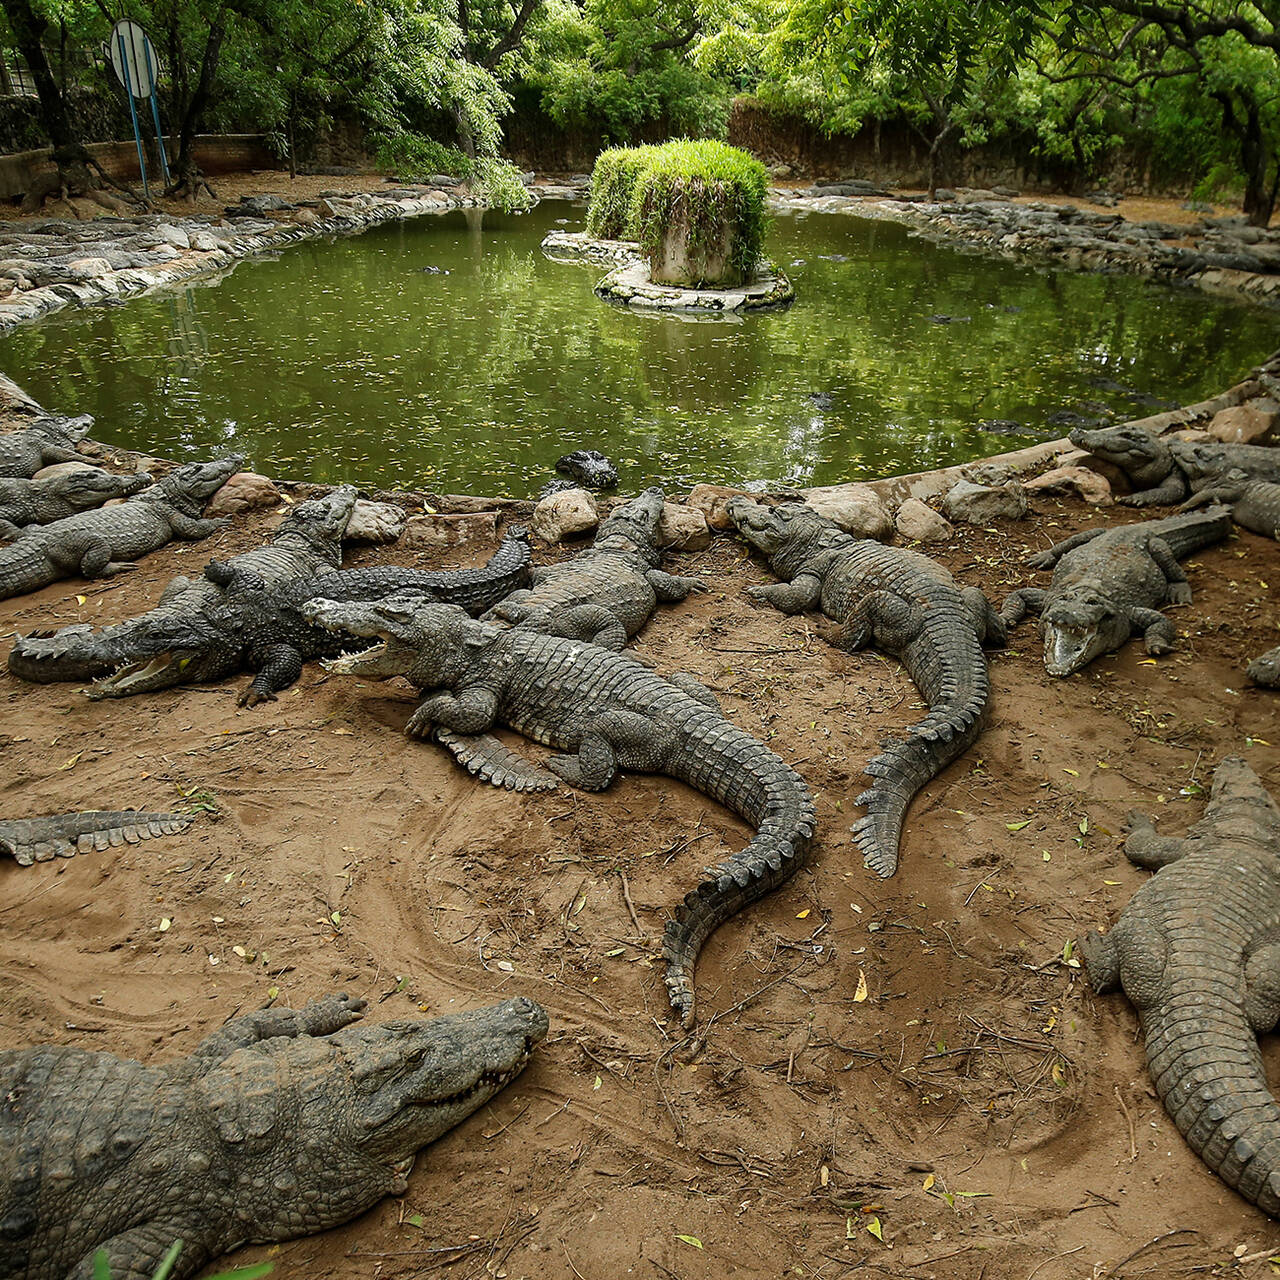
[161,672]
[1067,649]
[374,661]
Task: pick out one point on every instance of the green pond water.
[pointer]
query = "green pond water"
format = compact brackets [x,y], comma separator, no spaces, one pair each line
[345,360]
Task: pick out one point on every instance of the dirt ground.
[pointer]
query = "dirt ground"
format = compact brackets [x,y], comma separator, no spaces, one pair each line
[907,1078]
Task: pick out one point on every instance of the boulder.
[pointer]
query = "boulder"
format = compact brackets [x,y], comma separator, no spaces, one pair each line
[173,235]
[1081,482]
[1249,423]
[431,532]
[981,503]
[205,242]
[564,515]
[856,508]
[245,491]
[375,522]
[683,528]
[88,268]
[304,217]
[713,500]
[56,469]
[917,522]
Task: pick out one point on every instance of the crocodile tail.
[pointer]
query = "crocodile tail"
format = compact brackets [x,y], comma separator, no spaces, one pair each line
[786,818]
[1188,533]
[960,693]
[24,567]
[30,840]
[1206,1067]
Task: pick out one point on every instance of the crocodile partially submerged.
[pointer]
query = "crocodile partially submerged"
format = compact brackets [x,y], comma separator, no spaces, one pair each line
[905,604]
[583,469]
[279,1124]
[1165,471]
[1197,952]
[29,840]
[27,502]
[611,713]
[1255,504]
[606,593]
[42,443]
[96,544]
[1109,583]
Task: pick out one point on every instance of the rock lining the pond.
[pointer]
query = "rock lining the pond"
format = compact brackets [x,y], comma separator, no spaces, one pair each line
[567,514]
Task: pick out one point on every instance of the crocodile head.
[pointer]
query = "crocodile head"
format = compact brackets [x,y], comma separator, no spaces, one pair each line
[321,523]
[1080,627]
[786,534]
[1225,487]
[423,641]
[93,486]
[1143,457]
[588,468]
[1202,464]
[76,652]
[63,430]
[406,1083]
[193,484]
[633,527]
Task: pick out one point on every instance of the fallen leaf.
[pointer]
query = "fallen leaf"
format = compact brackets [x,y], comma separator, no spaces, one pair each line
[597,1084]
[506,966]
[876,1229]
[71,764]
[165,922]
[929,1181]
[803,914]
[1075,773]
[344,733]
[861,993]
[79,599]
[693,1240]
[1018,826]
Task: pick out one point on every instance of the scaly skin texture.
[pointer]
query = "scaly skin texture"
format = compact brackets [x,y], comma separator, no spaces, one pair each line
[583,469]
[611,713]
[24,502]
[608,592]
[1255,504]
[1109,583]
[1197,951]
[902,603]
[1164,471]
[42,443]
[280,1124]
[29,840]
[102,543]
[147,653]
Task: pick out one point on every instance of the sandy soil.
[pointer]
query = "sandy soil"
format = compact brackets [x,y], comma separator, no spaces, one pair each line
[900,1078]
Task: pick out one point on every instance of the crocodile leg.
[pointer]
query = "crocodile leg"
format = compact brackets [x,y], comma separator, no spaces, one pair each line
[136,1254]
[1173,488]
[192,529]
[1048,558]
[470,710]
[318,1018]
[693,687]
[1174,574]
[1157,630]
[591,623]
[800,594]
[615,738]
[671,588]
[1262,987]
[986,621]
[280,666]
[1018,604]
[1147,848]
[483,756]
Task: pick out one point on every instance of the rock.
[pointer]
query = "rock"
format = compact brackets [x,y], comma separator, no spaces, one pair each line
[1115,478]
[990,473]
[683,528]
[1085,484]
[856,508]
[1191,435]
[56,469]
[173,235]
[981,503]
[435,531]
[565,515]
[88,268]
[205,242]
[245,491]
[919,523]
[375,522]
[712,500]
[304,217]
[1250,423]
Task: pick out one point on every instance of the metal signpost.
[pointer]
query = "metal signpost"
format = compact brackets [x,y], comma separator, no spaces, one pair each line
[134,61]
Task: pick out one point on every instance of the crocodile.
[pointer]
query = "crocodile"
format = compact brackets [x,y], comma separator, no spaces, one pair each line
[279,1124]
[905,604]
[582,469]
[1197,952]
[29,840]
[42,443]
[89,543]
[259,626]
[25,502]
[309,539]
[608,592]
[1166,471]
[610,712]
[1255,504]
[1109,583]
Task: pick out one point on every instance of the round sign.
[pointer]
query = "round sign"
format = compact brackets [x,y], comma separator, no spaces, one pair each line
[133,58]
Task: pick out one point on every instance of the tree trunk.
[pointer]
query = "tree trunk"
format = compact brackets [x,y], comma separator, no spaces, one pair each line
[187,178]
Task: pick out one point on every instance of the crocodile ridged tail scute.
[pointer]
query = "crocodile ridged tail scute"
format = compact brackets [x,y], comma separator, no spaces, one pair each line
[777,799]
[29,840]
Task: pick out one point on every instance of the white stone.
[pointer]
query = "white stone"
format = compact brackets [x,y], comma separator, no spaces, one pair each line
[563,515]
[89,268]
[713,501]
[377,522]
[431,532]
[917,522]
[856,508]
[205,242]
[981,504]
[173,235]
[683,528]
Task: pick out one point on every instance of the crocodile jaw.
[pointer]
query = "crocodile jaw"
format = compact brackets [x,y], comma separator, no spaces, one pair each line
[384,660]
[1068,649]
[161,672]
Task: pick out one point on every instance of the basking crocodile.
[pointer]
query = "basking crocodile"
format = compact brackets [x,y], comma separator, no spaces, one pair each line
[260,626]
[608,592]
[1255,504]
[612,713]
[279,1124]
[905,604]
[25,502]
[102,543]
[309,539]
[1164,470]
[1197,951]
[42,443]
[1109,583]
[583,469]
[29,840]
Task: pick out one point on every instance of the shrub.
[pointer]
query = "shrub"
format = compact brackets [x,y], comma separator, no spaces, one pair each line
[613,181]
[415,157]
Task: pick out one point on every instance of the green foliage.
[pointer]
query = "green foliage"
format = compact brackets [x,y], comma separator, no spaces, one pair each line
[706,186]
[102,1267]
[413,158]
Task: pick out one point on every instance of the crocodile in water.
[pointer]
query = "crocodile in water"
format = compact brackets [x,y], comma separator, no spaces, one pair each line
[279,1124]
[42,443]
[903,603]
[1109,583]
[582,469]
[29,840]
[26,502]
[1197,951]
[612,713]
[102,543]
